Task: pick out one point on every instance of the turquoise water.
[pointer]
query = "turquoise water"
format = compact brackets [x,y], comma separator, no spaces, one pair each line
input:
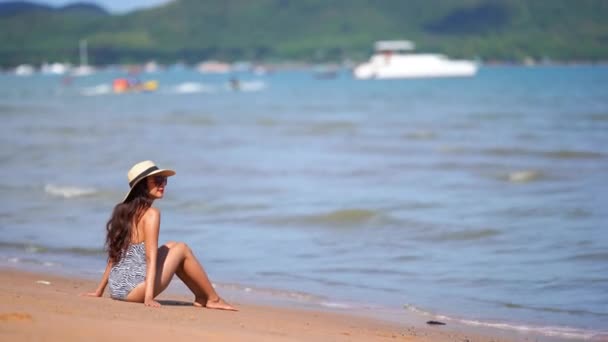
[478,200]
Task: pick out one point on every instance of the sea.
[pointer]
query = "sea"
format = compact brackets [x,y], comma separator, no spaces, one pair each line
[480,201]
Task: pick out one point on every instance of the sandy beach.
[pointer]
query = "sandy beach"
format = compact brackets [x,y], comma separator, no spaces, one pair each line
[45,307]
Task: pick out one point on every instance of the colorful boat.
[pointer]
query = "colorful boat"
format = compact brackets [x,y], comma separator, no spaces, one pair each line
[128,85]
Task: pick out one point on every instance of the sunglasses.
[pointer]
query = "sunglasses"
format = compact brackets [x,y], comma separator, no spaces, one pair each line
[160,180]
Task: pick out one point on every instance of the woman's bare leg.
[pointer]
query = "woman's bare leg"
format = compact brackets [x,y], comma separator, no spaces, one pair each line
[192,273]
[177,258]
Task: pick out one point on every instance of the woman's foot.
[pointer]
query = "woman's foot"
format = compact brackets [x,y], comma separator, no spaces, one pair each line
[218,304]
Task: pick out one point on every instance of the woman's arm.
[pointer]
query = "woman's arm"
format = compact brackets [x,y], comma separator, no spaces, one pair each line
[102,284]
[151,222]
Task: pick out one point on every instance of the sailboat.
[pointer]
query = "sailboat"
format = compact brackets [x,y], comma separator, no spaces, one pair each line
[84,69]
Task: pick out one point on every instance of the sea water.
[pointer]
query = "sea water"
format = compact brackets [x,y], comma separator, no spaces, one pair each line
[479,200]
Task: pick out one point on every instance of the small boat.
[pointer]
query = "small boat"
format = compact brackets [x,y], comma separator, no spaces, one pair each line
[129,85]
[54,68]
[213,67]
[393,59]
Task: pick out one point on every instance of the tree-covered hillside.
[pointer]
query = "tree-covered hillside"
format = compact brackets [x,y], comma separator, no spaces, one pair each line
[307,30]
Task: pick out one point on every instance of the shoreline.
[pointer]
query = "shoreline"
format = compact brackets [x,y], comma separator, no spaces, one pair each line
[269,297]
[42,304]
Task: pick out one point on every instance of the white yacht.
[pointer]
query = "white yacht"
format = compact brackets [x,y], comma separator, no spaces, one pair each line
[54,68]
[24,70]
[393,59]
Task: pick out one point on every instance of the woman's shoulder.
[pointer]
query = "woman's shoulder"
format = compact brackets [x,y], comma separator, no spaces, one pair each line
[151,214]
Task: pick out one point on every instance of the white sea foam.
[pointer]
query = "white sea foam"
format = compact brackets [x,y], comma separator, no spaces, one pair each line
[99,89]
[335,305]
[524,176]
[68,191]
[553,331]
[192,88]
[563,332]
[248,86]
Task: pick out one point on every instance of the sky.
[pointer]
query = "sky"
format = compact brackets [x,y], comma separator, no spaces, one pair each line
[115,6]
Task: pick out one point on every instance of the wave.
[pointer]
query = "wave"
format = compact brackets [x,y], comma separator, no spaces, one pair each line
[325,281]
[328,128]
[533,211]
[100,89]
[337,218]
[524,176]
[593,257]
[221,208]
[190,119]
[405,258]
[346,216]
[568,154]
[448,149]
[336,305]
[31,261]
[251,86]
[192,88]
[495,116]
[39,249]
[362,271]
[599,117]
[416,205]
[206,88]
[9,110]
[523,152]
[551,331]
[578,213]
[266,122]
[556,154]
[68,191]
[291,295]
[549,309]
[466,235]
[420,135]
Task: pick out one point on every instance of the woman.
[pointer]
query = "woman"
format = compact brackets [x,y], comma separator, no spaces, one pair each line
[138,270]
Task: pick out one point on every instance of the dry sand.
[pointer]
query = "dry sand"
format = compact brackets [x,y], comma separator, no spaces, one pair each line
[44,307]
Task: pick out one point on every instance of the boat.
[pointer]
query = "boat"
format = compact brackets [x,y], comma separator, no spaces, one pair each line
[133,85]
[24,70]
[213,67]
[84,69]
[54,68]
[394,59]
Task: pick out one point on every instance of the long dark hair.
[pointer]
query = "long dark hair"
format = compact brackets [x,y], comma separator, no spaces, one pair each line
[120,225]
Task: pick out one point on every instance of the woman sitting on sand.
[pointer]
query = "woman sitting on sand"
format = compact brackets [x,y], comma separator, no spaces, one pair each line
[138,270]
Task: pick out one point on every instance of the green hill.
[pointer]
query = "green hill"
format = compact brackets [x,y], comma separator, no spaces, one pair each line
[308,30]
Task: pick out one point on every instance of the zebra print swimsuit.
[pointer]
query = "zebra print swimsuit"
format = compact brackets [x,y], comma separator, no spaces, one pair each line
[129,272]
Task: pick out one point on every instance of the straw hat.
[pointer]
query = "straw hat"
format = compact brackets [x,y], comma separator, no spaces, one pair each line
[142,170]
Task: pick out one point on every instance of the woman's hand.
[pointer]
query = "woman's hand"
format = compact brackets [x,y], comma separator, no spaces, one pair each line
[95,293]
[152,303]
[102,285]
